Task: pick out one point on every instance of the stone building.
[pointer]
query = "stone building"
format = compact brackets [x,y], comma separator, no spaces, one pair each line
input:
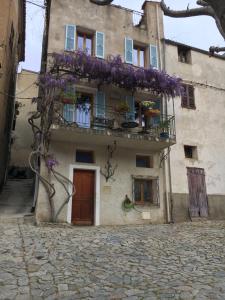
[83,150]
[12,48]
[170,175]
[197,164]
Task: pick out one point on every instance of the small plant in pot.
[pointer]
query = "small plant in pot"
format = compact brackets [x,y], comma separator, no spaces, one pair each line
[68,97]
[148,109]
[164,127]
[122,107]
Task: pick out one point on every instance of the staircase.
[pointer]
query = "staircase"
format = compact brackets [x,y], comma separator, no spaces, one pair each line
[16,201]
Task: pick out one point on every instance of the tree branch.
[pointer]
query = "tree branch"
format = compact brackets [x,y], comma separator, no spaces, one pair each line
[200,11]
[102,2]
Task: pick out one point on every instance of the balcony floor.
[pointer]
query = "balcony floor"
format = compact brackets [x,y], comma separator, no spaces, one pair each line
[102,137]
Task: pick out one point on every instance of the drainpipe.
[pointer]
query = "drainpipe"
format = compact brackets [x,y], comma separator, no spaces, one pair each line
[170,197]
[164,110]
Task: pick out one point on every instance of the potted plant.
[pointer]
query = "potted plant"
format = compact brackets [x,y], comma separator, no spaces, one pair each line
[68,97]
[122,107]
[152,113]
[164,127]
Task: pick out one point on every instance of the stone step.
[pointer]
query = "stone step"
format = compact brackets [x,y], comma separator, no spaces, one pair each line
[18,219]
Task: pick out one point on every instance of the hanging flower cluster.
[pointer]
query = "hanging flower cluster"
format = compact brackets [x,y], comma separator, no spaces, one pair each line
[77,65]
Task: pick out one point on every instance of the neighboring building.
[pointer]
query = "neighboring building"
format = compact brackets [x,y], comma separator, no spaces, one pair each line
[82,151]
[12,45]
[197,159]
[26,88]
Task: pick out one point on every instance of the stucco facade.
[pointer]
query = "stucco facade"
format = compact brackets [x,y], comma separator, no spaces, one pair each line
[202,127]
[26,88]
[91,19]
[12,43]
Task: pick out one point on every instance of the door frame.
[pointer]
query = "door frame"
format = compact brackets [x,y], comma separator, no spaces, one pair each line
[96,169]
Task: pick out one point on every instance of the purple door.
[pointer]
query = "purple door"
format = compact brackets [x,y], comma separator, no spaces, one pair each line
[198,200]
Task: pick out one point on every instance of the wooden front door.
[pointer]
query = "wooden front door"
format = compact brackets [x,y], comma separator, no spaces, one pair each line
[83,200]
[198,200]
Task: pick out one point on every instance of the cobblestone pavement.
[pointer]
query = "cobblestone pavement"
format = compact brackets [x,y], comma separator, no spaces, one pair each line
[182,261]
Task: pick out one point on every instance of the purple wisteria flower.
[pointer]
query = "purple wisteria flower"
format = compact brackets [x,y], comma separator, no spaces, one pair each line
[79,65]
[51,162]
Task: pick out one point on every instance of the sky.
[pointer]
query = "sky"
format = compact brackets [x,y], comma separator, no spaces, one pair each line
[200,32]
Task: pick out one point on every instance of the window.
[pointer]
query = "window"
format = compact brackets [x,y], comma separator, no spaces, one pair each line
[139,56]
[77,108]
[154,57]
[190,151]
[146,191]
[144,161]
[184,54]
[84,156]
[85,42]
[188,99]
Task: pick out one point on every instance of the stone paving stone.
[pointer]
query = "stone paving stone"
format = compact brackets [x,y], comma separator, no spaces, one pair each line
[180,262]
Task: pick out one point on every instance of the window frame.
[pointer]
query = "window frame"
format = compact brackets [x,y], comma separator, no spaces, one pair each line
[85,37]
[155,195]
[187,54]
[188,101]
[147,157]
[194,152]
[85,151]
[139,49]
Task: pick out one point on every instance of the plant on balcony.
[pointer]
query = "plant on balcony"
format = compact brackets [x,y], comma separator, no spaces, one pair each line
[164,128]
[67,69]
[146,105]
[122,107]
[152,113]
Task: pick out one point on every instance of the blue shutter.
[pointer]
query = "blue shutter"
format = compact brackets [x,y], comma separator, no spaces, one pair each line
[69,112]
[131,115]
[100,44]
[128,50]
[70,40]
[100,104]
[154,58]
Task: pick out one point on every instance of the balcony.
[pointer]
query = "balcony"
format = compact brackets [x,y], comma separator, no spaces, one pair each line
[100,125]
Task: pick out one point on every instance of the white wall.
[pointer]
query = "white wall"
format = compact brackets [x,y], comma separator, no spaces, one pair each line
[203,127]
[112,193]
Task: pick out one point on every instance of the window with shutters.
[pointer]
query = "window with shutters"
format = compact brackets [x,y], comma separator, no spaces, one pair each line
[146,191]
[139,56]
[188,97]
[85,42]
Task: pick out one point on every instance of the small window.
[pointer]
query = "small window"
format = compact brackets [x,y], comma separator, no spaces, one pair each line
[144,161]
[190,151]
[85,42]
[146,191]
[139,56]
[83,156]
[188,97]
[184,54]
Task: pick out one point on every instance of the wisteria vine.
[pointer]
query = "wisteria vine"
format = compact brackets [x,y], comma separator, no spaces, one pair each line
[69,68]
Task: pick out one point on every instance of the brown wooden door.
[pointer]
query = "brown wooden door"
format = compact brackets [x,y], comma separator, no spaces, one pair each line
[198,200]
[83,200]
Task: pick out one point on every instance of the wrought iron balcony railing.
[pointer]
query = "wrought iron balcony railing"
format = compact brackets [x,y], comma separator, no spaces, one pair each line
[108,118]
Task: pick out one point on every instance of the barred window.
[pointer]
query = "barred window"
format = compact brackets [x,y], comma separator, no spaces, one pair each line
[146,191]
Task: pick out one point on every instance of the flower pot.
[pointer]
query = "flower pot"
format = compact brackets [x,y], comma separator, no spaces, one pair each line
[152,113]
[164,135]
